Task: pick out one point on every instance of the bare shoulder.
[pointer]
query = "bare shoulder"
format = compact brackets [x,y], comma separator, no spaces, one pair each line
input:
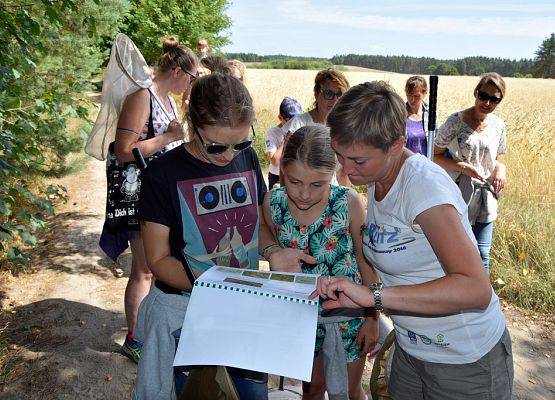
[140,98]
[355,199]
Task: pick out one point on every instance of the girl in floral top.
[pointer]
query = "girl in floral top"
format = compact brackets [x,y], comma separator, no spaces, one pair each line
[325,221]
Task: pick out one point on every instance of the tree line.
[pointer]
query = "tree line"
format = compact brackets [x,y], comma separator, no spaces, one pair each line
[431,66]
[542,66]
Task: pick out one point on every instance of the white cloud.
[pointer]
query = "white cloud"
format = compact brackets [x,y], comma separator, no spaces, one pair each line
[376,47]
[479,24]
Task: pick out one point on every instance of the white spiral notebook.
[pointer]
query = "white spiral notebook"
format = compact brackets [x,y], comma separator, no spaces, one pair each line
[257,320]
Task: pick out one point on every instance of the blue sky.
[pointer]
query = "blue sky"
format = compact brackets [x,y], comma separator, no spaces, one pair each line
[440,29]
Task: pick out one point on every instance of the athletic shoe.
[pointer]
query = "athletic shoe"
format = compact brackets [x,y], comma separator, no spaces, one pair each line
[132,349]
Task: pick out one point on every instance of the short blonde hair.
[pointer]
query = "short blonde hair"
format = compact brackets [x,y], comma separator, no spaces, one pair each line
[491,79]
[371,113]
[238,66]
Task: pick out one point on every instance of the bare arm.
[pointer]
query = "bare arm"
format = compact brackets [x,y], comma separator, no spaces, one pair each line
[465,286]
[357,216]
[450,164]
[275,156]
[369,332]
[164,267]
[133,117]
[499,176]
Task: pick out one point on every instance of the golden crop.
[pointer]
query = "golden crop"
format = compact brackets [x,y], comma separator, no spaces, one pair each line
[523,253]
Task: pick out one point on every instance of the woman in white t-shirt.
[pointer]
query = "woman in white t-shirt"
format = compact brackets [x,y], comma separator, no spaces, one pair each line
[329,85]
[476,137]
[451,336]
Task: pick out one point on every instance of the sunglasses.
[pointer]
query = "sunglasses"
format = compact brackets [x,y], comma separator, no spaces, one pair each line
[193,77]
[219,148]
[485,97]
[330,94]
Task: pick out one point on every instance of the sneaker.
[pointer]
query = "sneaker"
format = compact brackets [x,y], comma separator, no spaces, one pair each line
[132,349]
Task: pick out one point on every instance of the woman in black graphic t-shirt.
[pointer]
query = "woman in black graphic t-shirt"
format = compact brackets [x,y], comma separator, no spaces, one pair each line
[200,206]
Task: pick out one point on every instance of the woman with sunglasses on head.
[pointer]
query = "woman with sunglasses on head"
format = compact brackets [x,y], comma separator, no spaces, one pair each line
[329,85]
[150,123]
[200,207]
[476,137]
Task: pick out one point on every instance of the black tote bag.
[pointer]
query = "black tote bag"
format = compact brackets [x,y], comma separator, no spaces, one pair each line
[124,188]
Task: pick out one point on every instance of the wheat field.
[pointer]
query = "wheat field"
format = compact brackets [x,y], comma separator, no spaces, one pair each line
[523,253]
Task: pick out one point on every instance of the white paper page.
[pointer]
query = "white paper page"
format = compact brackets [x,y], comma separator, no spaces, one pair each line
[226,326]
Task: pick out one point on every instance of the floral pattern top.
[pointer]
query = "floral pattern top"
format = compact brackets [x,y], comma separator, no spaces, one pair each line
[328,239]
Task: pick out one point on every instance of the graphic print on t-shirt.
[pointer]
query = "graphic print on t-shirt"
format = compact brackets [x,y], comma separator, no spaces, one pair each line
[385,238]
[220,221]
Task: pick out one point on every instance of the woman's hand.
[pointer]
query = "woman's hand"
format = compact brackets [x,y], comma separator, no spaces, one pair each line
[367,336]
[175,131]
[339,292]
[288,260]
[469,170]
[499,177]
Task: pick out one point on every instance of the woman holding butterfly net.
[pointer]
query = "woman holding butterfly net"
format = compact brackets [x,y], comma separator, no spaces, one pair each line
[148,120]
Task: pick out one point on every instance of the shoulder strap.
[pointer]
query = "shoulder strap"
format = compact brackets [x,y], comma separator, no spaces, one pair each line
[160,103]
[150,133]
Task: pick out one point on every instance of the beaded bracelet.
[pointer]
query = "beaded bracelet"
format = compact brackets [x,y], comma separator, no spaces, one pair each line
[265,250]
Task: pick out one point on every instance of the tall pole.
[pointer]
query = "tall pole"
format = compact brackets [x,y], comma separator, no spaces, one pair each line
[432,117]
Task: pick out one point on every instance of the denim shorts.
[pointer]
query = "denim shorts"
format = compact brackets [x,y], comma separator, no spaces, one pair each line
[491,377]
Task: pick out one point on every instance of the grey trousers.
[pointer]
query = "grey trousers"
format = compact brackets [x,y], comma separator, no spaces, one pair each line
[489,378]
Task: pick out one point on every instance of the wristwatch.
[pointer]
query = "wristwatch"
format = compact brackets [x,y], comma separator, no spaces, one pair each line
[376,289]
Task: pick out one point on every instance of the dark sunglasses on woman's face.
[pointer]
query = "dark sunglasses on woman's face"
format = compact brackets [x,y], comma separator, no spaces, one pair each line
[485,97]
[330,94]
[193,77]
[219,148]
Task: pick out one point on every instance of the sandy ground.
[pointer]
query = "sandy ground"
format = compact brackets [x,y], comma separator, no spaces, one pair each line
[61,326]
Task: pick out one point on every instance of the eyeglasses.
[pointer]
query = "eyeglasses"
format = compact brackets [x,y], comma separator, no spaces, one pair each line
[219,148]
[485,97]
[330,94]
[193,77]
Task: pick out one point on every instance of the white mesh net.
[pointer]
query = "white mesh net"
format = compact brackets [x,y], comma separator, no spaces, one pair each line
[126,73]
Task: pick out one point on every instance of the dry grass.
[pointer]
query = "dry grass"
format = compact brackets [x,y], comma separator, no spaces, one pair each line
[523,254]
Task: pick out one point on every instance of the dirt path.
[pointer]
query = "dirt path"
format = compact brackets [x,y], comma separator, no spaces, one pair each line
[62,325]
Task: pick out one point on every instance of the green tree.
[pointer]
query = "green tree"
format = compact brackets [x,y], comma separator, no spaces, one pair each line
[544,66]
[431,69]
[446,69]
[50,50]
[191,20]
